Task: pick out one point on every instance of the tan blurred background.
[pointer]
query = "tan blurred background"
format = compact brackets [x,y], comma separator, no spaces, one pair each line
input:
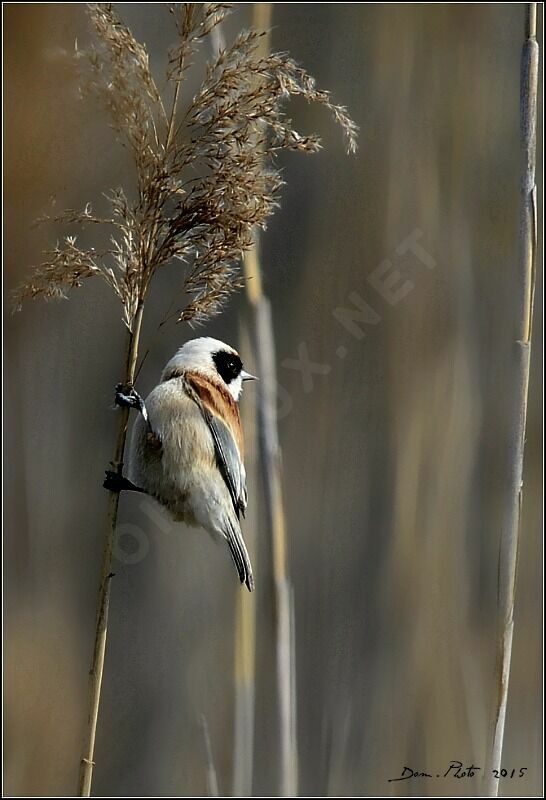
[395,453]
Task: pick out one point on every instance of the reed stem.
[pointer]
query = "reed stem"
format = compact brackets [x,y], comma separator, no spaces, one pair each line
[103,603]
[270,457]
[510,535]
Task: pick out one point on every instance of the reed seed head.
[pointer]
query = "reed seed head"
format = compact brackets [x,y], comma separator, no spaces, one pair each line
[205,174]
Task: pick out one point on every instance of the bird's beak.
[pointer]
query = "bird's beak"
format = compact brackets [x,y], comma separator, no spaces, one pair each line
[246,376]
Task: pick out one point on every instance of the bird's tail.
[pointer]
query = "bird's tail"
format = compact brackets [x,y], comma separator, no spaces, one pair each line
[239,553]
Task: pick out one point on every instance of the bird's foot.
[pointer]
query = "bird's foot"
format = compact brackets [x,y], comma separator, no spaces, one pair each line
[128,397]
[116,482]
[113,481]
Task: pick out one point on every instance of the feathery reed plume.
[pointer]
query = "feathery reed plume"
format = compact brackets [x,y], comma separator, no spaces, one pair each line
[202,184]
[509,540]
[204,180]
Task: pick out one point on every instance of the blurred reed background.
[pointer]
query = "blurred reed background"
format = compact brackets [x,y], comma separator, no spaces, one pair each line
[394,442]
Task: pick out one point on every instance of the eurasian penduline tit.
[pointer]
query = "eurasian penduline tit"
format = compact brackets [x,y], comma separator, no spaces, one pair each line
[186,448]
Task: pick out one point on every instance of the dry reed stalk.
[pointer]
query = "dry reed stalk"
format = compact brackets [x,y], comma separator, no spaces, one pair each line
[103,604]
[202,188]
[270,457]
[245,615]
[245,612]
[510,534]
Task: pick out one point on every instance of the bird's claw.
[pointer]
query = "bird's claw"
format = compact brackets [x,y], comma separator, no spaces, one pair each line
[117,482]
[128,397]
[113,481]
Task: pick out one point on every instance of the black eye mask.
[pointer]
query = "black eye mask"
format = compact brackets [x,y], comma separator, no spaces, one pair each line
[229,365]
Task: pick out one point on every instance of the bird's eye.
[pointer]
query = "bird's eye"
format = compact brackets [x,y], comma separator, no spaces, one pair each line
[228,365]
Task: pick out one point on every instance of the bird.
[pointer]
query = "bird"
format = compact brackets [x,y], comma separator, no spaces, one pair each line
[186,448]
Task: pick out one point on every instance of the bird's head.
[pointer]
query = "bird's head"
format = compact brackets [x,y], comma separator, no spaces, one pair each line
[214,360]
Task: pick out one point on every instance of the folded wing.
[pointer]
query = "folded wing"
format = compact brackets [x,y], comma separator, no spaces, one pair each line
[231,467]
